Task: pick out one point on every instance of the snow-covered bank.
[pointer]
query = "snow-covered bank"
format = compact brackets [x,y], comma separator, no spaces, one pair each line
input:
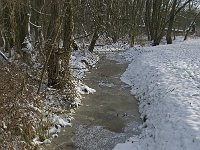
[166,81]
[80,63]
[59,111]
[119,46]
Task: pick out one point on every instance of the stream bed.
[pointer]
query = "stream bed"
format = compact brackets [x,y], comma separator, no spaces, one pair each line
[107,117]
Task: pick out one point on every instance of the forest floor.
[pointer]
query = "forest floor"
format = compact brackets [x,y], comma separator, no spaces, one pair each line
[166,81]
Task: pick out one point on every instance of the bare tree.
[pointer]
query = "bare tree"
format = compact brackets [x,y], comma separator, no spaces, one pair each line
[191,25]
[174,11]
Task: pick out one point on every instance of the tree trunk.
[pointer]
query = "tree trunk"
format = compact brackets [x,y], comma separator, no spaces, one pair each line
[51,47]
[148,20]
[53,68]
[36,19]
[171,22]
[6,24]
[93,42]
[67,45]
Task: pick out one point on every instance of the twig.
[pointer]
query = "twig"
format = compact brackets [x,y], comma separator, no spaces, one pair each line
[4,56]
[37,26]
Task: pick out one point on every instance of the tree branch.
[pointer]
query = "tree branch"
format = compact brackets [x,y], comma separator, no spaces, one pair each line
[4,56]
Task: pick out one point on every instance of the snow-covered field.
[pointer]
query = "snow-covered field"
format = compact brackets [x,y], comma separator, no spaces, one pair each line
[166,81]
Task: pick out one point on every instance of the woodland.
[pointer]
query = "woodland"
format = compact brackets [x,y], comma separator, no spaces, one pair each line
[37,38]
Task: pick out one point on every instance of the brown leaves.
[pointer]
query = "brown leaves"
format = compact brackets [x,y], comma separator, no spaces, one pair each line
[17,114]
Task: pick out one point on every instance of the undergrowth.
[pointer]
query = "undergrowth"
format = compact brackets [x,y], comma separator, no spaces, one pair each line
[19,108]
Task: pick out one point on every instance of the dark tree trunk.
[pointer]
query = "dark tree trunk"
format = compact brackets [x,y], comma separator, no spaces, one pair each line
[52,48]
[53,68]
[148,19]
[7,28]
[156,42]
[93,42]
[171,22]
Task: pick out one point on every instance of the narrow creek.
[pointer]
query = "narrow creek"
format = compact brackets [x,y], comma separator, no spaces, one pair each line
[107,117]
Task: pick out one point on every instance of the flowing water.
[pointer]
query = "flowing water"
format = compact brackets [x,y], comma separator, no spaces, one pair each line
[107,117]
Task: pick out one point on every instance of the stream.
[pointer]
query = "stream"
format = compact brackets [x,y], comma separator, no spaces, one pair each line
[107,117]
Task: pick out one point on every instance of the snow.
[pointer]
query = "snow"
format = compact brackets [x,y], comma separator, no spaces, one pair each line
[119,46]
[80,62]
[37,142]
[166,81]
[84,89]
[60,121]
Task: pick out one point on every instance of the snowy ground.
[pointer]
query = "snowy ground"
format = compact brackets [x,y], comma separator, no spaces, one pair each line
[166,81]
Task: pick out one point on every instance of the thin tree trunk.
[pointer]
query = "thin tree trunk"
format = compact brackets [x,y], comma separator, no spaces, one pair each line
[148,19]
[171,22]
[93,42]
